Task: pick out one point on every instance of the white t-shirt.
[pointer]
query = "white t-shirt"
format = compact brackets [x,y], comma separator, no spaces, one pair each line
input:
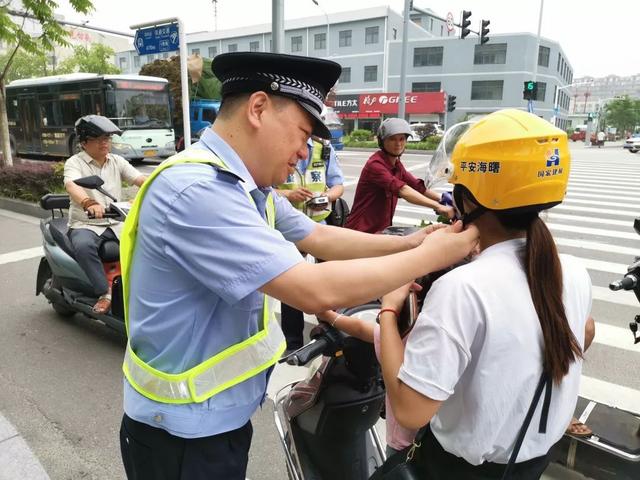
[477,347]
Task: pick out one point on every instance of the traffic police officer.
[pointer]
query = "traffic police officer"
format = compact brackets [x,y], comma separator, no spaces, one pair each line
[317,176]
[206,244]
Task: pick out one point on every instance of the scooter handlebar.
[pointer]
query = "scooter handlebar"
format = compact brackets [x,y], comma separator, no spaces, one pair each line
[304,355]
[629,282]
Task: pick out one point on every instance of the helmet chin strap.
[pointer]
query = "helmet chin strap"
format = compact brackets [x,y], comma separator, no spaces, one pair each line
[468,218]
[458,200]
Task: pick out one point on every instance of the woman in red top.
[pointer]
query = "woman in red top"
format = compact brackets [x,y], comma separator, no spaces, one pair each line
[384,178]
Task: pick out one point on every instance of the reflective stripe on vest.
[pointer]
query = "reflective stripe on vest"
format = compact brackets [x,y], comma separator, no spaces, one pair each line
[227,368]
[314,179]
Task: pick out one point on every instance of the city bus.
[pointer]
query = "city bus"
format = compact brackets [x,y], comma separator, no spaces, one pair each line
[42,113]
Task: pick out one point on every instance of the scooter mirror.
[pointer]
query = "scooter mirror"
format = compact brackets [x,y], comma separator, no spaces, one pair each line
[91,182]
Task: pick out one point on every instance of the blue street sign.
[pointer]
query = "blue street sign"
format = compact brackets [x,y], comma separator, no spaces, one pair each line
[163,38]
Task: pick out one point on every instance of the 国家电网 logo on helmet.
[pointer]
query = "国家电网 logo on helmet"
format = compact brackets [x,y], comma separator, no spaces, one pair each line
[552,164]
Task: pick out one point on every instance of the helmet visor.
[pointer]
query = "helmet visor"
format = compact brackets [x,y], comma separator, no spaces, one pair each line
[440,167]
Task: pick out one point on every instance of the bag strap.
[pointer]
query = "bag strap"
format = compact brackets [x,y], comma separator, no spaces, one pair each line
[545,381]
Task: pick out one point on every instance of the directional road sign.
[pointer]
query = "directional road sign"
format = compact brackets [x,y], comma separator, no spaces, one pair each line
[163,38]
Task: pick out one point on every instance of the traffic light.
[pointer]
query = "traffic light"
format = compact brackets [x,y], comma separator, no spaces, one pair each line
[589,117]
[451,103]
[530,91]
[484,31]
[464,24]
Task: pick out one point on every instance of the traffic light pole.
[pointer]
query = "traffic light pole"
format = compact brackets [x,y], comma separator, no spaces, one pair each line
[403,61]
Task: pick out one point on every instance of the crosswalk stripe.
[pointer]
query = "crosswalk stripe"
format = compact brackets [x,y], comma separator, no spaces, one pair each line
[596,246]
[609,393]
[590,187]
[596,220]
[603,211]
[622,207]
[593,231]
[615,337]
[613,197]
[620,298]
[19,255]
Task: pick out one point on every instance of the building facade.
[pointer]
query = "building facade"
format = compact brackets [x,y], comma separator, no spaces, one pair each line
[368,45]
[595,92]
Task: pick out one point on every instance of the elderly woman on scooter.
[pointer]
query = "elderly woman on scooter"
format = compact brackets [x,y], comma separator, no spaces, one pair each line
[510,323]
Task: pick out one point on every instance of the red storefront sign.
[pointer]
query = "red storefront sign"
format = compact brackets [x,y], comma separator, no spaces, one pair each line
[423,102]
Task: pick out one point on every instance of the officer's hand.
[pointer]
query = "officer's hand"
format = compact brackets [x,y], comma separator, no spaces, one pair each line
[446,211]
[447,246]
[415,239]
[95,211]
[299,195]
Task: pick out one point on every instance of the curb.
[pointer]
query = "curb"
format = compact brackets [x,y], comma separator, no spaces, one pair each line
[25,208]
[16,458]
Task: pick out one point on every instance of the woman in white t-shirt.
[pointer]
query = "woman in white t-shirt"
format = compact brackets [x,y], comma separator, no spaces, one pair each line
[490,329]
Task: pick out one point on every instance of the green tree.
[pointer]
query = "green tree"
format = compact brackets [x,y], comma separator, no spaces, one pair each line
[12,32]
[93,59]
[623,113]
[207,87]
[25,65]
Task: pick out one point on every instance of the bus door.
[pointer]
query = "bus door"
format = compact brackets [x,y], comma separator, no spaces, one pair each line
[29,121]
[92,102]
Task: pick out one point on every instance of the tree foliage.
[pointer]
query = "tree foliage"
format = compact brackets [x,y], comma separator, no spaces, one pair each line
[93,59]
[25,65]
[623,113]
[12,32]
[207,87]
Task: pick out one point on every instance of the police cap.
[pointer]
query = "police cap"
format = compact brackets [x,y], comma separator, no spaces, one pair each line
[304,79]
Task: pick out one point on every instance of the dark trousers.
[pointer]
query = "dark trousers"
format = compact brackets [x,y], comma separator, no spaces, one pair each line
[150,453]
[292,326]
[438,464]
[85,245]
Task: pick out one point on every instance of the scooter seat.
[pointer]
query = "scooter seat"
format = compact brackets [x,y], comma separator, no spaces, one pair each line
[109,251]
[59,228]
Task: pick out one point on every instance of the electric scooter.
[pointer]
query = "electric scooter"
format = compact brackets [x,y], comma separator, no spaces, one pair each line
[60,278]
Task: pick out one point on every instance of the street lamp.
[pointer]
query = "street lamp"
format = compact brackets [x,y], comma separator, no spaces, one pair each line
[557,94]
[327,17]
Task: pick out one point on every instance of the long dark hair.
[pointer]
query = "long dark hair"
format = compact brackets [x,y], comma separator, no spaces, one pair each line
[544,276]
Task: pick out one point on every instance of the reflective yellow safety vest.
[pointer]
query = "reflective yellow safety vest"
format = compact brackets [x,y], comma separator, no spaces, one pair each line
[314,179]
[227,368]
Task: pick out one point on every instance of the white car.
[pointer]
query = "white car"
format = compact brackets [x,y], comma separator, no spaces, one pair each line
[632,143]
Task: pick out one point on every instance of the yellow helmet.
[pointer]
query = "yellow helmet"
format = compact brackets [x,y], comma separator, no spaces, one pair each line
[510,159]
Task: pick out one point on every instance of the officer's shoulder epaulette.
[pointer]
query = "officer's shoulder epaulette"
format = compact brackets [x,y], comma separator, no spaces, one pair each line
[226,175]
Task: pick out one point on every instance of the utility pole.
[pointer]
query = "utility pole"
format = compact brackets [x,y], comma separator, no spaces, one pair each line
[403,65]
[536,52]
[277,26]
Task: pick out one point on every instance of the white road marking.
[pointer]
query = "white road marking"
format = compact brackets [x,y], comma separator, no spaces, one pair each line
[19,255]
[608,393]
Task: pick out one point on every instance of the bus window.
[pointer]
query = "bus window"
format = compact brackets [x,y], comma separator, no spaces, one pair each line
[49,115]
[12,105]
[70,111]
[142,109]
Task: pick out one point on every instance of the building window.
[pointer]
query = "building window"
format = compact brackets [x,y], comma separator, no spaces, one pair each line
[195,51]
[431,24]
[558,67]
[123,63]
[442,30]
[487,90]
[542,90]
[296,44]
[425,87]
[136,61]
[254,46]
[213,51]
[344,38]
[543,56]
[395,33]
[427,56]
[495,53]
[320,41]
[233,47]
[371,73]
[345,76]
[371,35]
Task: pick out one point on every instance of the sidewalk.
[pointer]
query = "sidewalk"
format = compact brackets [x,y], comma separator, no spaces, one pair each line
[17,461]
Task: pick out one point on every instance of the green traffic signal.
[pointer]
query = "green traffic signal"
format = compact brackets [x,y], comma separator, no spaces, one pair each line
[530,85]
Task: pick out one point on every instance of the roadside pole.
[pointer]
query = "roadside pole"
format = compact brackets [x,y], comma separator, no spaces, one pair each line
[403,64]
[162,37]
[536,52]
[277,26]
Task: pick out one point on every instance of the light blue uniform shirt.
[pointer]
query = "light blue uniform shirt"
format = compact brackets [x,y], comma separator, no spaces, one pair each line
[202,252]
[333,170]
